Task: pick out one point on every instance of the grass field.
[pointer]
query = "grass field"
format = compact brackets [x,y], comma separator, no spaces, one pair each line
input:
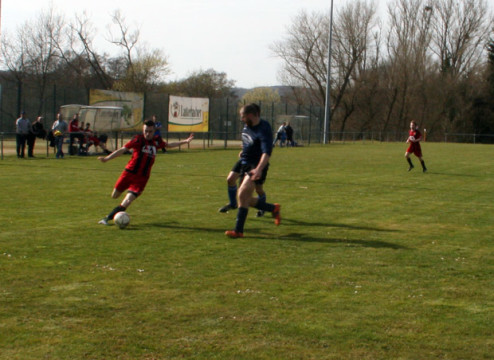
[370,261]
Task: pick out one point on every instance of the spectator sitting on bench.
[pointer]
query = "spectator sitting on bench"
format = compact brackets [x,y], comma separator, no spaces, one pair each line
[93,139]
[75,133]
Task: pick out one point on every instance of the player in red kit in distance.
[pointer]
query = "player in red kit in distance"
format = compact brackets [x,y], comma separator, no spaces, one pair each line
[414,138]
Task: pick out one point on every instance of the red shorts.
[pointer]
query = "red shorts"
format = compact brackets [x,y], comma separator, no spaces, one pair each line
[132,182]
[415,149]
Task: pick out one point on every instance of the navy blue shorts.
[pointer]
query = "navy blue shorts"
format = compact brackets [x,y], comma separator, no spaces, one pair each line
[237,167]
[246,168]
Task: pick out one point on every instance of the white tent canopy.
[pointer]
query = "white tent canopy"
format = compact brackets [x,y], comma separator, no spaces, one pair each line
[101,118]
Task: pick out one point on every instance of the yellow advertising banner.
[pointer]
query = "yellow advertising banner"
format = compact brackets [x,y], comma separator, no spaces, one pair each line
[132,105]
[188,114]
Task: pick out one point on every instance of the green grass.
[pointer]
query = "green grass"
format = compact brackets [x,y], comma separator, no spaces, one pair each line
[370,261]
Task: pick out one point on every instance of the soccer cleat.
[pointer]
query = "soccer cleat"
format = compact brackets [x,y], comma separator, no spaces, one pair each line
[410,168]
[424,170]
[277,214]
[226,208]
[260,213]
[103,221]
[233,234]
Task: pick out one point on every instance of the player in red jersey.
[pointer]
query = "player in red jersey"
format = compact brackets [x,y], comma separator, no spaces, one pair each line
[92,139]
[414,137]
[136,174]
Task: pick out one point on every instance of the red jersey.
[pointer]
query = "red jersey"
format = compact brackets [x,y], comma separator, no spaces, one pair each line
[415,133]
[143,155]
[414,147]
[74,126]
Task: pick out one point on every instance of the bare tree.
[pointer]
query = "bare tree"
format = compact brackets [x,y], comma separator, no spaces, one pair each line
[305,54]
[14,53]
[81,42]
[407,64]
[352,46]
[42,51]
[32,51]
[143,67]
[461,30]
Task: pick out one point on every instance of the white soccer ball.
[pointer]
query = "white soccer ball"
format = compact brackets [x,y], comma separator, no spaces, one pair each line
[121,219]
[412,138]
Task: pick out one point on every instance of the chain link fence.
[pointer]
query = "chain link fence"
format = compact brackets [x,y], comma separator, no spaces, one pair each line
[225,126]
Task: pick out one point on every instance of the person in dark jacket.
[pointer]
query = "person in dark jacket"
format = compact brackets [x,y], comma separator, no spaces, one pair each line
[36,131]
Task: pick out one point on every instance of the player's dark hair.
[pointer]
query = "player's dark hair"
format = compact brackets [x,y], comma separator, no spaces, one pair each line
[149,123]
[253,109]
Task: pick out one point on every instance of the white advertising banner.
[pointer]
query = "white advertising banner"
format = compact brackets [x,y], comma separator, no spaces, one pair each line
[188,114]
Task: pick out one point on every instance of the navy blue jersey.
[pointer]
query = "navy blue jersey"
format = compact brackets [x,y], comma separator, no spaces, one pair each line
[256,140]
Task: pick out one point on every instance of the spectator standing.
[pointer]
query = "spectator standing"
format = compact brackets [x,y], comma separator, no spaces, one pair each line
[289,135]
[158,129]
[280,135]
[157,125]
[22,126]
[36,130]
[59,130]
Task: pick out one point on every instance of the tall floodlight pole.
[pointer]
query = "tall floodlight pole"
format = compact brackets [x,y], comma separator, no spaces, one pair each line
[327,113]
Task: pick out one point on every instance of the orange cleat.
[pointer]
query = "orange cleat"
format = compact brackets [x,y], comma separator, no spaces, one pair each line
[233,234]
[277,214]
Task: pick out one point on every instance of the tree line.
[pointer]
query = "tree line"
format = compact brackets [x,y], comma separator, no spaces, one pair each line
[50,49]
[431,61]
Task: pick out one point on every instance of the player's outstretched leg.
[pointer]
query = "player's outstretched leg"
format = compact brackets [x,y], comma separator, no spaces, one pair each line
[272,208]
[110,216]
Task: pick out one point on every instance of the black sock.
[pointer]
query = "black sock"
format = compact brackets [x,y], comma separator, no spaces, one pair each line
[241,217]
[232,195]
[423,164]
[410,162]
[114,211]
[263,205]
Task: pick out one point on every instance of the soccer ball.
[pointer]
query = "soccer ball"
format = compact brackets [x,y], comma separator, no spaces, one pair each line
[121,219]
[412,138]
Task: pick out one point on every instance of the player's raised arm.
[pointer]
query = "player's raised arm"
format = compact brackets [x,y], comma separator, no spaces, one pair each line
[113,155]
[183,142]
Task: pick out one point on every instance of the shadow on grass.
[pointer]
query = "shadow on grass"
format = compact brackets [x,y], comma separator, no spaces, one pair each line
[329,224]
[348,242]
[451,174]
[255,233]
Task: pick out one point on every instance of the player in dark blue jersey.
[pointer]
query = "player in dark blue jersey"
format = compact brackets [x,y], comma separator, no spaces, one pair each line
[257,145]
[231,181]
